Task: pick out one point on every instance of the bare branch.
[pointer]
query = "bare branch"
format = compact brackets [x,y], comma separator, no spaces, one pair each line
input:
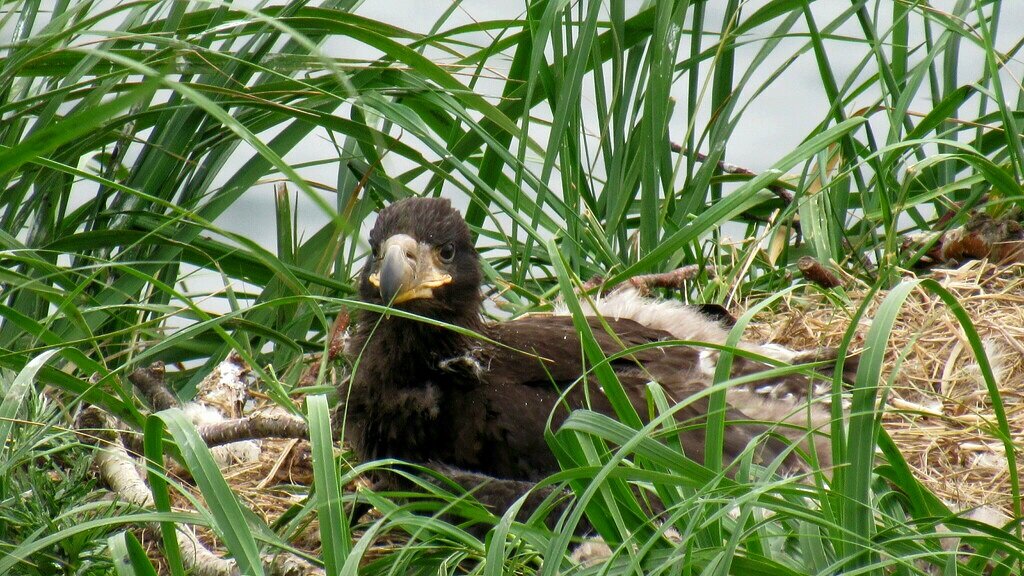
[673,280]
[817,272]
[257,426]
[120,472]
[783,194]
[150,383]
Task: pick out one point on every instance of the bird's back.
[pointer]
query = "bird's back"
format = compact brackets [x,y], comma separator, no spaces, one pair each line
[541,372]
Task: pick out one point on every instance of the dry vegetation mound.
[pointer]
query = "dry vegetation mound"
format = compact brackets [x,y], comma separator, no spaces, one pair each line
[939,409]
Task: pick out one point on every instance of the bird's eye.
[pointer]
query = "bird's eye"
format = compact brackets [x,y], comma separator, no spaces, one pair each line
[375,251]
[447,252]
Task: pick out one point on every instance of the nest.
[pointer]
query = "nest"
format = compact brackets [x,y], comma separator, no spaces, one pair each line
[939,410]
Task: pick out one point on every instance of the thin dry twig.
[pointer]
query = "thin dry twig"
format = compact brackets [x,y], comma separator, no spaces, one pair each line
[783,194]
[644,284]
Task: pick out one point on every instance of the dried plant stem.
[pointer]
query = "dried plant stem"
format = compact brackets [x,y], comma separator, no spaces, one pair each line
[673,279]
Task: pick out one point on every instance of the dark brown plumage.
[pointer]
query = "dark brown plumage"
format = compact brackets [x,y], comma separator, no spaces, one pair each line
[429,395]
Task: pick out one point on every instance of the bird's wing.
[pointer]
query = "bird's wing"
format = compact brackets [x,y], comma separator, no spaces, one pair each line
[551,362]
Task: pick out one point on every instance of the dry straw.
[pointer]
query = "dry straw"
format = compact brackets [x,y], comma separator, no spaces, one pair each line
[938,407]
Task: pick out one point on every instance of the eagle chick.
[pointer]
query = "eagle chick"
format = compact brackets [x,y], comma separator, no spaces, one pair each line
[479,408]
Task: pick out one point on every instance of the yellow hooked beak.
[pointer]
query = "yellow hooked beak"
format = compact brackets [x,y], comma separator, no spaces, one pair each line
[409,270]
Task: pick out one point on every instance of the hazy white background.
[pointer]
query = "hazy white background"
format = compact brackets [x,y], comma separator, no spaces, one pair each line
[775,122]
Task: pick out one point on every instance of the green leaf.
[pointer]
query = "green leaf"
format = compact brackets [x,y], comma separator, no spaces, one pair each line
[336,541]
[16,392]
[129,556]
[227,519]
[47,139]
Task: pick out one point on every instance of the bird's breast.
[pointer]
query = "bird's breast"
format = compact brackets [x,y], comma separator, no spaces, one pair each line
[434,421]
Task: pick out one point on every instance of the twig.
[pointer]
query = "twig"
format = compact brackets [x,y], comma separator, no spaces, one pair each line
[116,466]
[644,284]
[673,280]
[150,382]
[783,194]
[254,427]
[817,272]
[218,406]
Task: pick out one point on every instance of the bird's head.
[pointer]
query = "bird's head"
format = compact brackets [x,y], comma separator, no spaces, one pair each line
[423,260]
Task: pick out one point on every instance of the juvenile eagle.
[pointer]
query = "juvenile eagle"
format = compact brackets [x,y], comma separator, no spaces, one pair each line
[426,394]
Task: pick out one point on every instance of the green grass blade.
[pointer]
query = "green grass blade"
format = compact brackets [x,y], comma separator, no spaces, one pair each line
[16,392]
[129,556]
[335,537]
[228,521]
